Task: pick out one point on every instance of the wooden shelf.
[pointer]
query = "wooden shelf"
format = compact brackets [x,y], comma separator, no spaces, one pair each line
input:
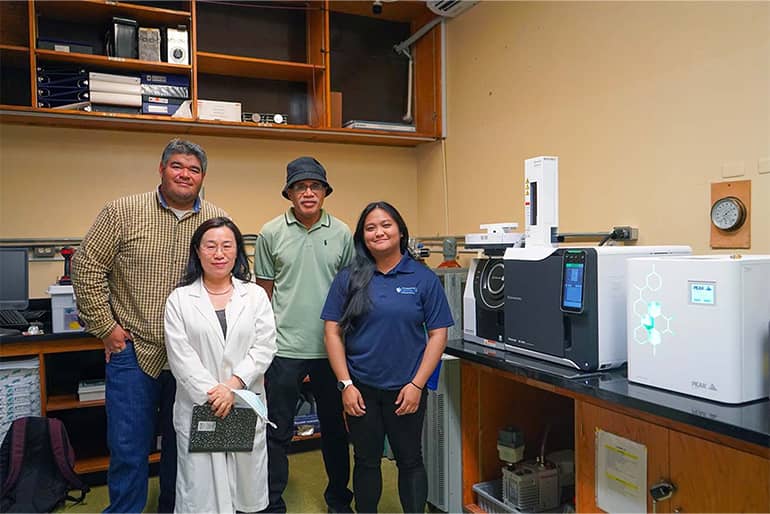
[115,63]
[58,346]
[95,11]
[233,65]
[70,401]
[164,124]
[13,55]
[97,464]
[14,49]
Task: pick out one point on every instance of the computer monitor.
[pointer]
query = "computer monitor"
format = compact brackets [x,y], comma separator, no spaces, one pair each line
[14,278]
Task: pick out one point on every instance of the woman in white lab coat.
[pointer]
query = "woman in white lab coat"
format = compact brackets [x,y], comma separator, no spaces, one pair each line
[220,336]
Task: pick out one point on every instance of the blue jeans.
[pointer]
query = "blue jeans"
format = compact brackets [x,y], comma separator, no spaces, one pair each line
[136,404]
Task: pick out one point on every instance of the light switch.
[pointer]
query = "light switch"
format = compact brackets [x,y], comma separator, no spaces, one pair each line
[763,165]
[733,169]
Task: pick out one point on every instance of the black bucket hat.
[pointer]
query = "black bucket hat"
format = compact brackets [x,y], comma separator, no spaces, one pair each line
[305,168]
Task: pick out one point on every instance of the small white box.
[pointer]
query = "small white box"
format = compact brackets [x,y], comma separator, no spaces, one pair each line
[216,110]
[64,311]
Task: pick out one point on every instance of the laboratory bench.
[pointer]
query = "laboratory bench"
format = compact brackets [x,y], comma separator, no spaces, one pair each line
[716,455]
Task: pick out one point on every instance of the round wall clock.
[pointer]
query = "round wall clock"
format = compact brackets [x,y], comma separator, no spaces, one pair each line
[728,213]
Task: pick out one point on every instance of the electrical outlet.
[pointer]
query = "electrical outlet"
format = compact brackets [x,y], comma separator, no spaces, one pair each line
[44,252]
[626,233]
[763,166]
[733,169]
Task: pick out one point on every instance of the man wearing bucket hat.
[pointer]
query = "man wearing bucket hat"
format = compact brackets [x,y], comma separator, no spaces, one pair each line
[298,255]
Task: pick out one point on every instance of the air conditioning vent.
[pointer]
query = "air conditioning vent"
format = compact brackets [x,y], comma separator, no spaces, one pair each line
[442,439]
[450,8]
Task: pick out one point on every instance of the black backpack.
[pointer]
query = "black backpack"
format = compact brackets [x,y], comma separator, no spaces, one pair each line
[36,466]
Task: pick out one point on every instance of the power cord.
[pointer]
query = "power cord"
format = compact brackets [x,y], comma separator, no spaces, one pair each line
[617,234]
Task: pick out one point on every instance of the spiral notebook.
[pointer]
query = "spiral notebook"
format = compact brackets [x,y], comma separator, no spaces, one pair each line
[233,433]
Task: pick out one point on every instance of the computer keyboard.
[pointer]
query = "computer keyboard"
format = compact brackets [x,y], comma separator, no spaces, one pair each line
[11,318]
[33,315]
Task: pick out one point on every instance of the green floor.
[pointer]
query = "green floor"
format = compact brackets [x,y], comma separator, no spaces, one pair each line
[307,481]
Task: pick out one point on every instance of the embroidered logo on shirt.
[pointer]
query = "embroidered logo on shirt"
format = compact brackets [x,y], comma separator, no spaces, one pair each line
[406,290]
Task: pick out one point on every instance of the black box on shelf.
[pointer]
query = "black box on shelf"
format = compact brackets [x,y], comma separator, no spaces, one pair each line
[64,46]
[122,38]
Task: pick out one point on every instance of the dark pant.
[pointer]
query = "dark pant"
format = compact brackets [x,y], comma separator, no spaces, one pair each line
[283,382]
[367,434]
[136,406]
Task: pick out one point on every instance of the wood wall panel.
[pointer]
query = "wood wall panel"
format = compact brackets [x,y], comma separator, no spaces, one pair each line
[740,237]
[588,419]
[712,478]
[426,104]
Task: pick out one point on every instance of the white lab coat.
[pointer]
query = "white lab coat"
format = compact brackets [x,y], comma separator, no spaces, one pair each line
[200,358]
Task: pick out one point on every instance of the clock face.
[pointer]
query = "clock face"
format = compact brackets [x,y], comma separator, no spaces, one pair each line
[728,213]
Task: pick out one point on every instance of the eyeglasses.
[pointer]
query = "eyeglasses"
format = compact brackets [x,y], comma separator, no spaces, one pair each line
[212,249]
[299,187]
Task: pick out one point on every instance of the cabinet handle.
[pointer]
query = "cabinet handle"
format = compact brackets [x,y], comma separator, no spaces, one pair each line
[663,490]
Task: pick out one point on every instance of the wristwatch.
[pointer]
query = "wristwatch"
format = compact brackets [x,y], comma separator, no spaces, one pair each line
[342,384]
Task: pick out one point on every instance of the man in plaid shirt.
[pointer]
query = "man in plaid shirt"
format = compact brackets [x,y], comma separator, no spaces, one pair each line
[128,263]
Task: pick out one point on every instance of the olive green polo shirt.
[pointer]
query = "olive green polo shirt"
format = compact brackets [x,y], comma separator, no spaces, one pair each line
[302,264]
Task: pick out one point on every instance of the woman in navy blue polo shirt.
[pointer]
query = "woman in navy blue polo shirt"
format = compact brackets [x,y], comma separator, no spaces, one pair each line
[386,327]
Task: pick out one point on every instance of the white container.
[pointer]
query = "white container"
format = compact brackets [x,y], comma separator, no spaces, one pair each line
[699,325]
[64,311]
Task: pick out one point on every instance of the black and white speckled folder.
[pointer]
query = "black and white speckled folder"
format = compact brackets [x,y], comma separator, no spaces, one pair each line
[233,433]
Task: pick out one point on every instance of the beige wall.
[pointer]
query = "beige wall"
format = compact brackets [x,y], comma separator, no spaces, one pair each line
[53,182]
[642,102]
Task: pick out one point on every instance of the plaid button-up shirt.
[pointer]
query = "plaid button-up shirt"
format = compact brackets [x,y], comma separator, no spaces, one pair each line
[128,263]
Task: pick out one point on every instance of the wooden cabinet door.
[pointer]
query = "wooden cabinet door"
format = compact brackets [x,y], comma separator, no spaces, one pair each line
[588,419]
[714,478]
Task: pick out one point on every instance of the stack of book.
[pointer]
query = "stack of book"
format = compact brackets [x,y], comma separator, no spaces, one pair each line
[114,93]
[89,390]
[58,87]
[163,94]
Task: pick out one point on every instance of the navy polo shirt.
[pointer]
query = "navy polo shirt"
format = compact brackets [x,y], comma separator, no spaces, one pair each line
[386,346]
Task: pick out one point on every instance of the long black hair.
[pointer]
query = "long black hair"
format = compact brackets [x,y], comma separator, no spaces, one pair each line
[357,302]
[194,269]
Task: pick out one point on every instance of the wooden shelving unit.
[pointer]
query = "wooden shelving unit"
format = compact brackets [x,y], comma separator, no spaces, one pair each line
[111,63]
[286,66]
[90,458]
[118,121]
[233,65]
[103,10]
[97,464]
[70,401]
